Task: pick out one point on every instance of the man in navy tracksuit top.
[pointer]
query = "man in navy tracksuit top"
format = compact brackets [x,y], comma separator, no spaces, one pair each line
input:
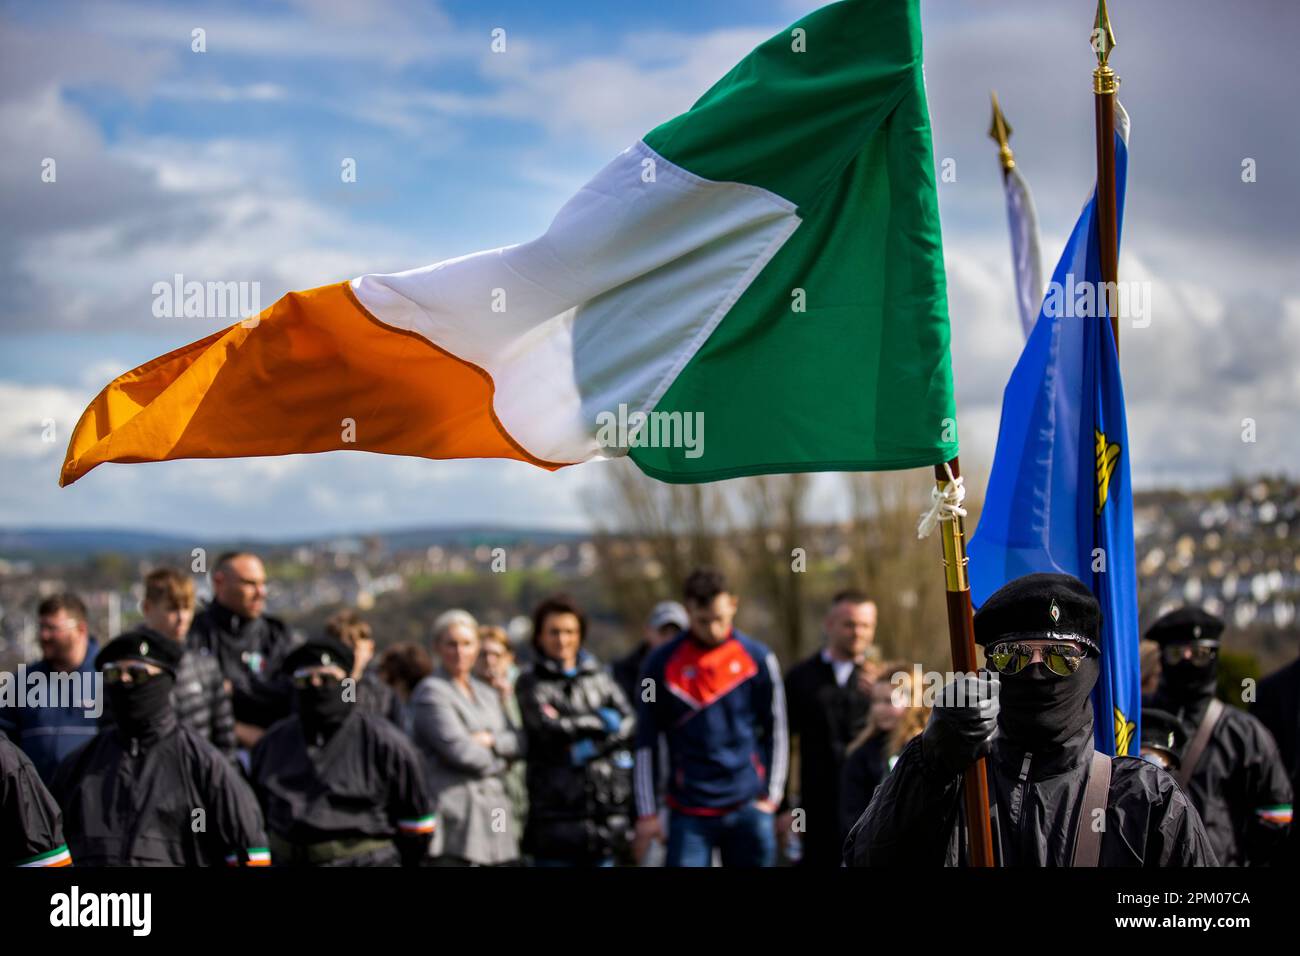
[717,697]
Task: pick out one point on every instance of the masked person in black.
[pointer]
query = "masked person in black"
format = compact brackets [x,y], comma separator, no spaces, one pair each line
[148,791]
[340,786]
[1033,718]
[1230,766]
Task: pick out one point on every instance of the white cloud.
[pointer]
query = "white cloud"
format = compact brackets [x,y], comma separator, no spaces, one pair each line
[605,101]
[391,33]
[31,414]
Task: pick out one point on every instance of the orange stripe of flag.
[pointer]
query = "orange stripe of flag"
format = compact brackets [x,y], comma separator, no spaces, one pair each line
[287,383]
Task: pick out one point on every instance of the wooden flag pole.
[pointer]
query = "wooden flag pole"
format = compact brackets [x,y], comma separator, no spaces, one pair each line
[961,637]
[1104,85]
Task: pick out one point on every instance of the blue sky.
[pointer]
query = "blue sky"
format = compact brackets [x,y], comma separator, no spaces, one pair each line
[225,165]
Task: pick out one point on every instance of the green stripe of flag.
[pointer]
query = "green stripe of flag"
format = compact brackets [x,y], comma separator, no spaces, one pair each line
[836,357]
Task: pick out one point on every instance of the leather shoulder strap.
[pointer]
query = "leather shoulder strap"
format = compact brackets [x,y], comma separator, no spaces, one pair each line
[1096,796]
[1200,740]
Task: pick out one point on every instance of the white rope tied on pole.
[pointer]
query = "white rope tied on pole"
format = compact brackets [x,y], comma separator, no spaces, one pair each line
[945,503]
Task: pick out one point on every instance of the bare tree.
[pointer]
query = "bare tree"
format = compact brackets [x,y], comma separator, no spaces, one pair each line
[775,562]
[904,574]
[650,534]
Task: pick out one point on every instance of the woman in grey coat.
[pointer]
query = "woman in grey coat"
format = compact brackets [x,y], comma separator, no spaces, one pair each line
[467,741]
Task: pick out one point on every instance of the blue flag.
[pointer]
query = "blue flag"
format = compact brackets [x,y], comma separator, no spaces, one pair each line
[1060,497]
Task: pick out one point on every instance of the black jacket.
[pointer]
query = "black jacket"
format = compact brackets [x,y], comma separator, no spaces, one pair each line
[134,802]
[579,769]
[864,768]
[1278,708]
[915,817]
[376,697]
[31,825]
[1239,786]
[825,717]
[364,781]
[627,672]
[249,652]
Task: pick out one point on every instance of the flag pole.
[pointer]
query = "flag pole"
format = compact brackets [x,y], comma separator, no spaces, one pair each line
[1104,85]
[961,638]
[1000,133]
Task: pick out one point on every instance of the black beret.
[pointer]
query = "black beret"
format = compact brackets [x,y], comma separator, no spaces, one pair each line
[1185,625]
[321,652]
[1161,730]
[145,646]
[1040,607]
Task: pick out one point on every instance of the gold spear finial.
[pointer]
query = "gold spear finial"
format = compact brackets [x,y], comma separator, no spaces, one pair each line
[1102,42]
[1000,133]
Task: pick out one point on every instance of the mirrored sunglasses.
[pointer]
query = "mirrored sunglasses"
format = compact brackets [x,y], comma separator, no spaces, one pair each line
[1061,659]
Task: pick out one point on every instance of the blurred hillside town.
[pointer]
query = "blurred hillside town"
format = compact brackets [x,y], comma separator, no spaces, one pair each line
[1233,549]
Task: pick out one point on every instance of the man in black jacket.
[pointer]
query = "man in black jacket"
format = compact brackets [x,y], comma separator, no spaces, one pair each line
[249,645]
[1040,633]
[340,786]
[1278,708]
[31,826]
[579,728]
[667,620]
[1230,766]
[148,791]
[828,707]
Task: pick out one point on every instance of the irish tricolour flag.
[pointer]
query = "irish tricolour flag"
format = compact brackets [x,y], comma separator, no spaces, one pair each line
[755,286]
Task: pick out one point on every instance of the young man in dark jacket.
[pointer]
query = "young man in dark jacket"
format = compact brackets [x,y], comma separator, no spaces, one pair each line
[579,728]
[1040,635]
[148,791]
[1230,766]
[200,696]
[66,713]
[719,701]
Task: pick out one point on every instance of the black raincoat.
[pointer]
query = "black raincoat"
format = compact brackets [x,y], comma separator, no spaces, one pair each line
[916,816]
[1239,785]
[364,781]
[31,828]
[164,798]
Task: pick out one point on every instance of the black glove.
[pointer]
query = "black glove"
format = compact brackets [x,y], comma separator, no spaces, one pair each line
[962,723]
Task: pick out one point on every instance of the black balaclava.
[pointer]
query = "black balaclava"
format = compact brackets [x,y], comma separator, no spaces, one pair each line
[1186,684]
[321,709]
[1040,710]
[139,710]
